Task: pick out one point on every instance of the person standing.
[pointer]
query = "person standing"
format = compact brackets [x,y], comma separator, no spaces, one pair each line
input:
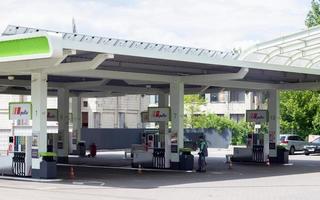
[203,153]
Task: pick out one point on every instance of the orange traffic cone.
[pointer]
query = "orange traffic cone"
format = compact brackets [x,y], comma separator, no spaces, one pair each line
[71,175]
[268,161]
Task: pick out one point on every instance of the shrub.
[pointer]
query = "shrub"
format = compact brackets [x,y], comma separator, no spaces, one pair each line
[239,130]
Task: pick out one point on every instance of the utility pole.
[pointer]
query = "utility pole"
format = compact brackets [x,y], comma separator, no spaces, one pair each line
[74,27]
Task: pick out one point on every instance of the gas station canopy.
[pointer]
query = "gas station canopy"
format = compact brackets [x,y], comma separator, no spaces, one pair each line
[92,66]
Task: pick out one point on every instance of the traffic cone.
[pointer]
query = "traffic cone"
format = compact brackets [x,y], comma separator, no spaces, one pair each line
[71,175]
[268,161]
[230,164]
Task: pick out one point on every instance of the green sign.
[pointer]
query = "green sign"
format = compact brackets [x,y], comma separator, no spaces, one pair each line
[24,47]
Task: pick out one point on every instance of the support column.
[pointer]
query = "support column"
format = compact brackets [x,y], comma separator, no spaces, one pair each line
[76,120]
[165,137]
[177,115]
[39,120]
[274,121]
[63,121]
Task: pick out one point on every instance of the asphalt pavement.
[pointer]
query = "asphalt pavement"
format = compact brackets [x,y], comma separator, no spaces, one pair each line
[298,180]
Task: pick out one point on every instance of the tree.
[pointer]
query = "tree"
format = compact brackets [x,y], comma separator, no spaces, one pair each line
[192,107]
[313,17]
[300,111]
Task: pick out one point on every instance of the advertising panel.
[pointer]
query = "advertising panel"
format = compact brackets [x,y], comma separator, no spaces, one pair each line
[20,110]
[159,114]
[257,116]
[52,115]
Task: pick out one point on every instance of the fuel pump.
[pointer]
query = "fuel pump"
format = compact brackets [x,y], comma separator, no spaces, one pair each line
[19,156]
[21,138]
[259,141]
[149,139]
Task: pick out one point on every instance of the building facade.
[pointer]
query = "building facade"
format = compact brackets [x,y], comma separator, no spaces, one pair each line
[232,103]
[125,111]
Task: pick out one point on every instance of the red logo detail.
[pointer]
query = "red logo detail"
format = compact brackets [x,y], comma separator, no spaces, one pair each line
[17,110]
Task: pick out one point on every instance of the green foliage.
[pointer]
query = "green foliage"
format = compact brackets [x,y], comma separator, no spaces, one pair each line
[192,105]
[313,17]
[239,130]
[195,119]
[300,112]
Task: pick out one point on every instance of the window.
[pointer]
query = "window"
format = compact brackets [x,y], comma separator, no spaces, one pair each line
[237,117]
[85,117]
[96,120]
[85,104]
[154,99]
[316,140]
[237,96]
[296,138]
[121,120]
[218,96]
[300,138]
[220,115]
[291,138]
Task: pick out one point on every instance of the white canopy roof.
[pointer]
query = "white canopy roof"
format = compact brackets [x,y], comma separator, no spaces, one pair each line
[301,49]
[98,66]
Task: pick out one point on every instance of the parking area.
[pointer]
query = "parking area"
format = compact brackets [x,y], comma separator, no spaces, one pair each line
[297,180]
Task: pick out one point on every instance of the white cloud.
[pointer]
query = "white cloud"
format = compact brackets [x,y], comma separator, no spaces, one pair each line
[219,24]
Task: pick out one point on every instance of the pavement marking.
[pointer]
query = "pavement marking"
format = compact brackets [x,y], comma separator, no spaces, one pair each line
[99,183]
[46,188]
[77,183]
[126,168]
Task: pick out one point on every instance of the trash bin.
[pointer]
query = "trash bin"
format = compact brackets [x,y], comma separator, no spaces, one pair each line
[186,159]
[81,147]
[48,165]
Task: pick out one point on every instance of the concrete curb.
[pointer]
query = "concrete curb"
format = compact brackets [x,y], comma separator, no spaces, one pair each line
[13,178]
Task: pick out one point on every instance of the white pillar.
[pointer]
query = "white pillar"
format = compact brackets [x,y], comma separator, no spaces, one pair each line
[177,113]
[63,121]
[165,137]
[274,121]
[39,119]
[249,101]
[76,119]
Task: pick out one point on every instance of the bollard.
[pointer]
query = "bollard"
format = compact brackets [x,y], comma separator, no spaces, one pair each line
[71,175]
[230,165]
[139,169]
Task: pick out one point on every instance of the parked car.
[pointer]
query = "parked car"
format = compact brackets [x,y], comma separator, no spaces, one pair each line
[292,143]
[313,147]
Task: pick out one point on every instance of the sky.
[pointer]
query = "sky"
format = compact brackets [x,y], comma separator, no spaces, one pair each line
[210,24]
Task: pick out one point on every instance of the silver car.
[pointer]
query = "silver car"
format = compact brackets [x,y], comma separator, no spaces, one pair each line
[292,143]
